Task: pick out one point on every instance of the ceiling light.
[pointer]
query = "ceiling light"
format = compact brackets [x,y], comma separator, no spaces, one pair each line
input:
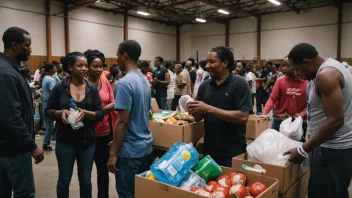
[201,20]
[223,11]
[275,2]
[143,13]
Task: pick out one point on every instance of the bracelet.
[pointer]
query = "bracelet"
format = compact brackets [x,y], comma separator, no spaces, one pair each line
[302,152]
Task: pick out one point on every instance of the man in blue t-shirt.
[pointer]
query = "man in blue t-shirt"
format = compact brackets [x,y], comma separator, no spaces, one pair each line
[132,144]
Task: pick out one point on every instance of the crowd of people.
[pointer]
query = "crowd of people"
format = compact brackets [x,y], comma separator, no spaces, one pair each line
[114,107]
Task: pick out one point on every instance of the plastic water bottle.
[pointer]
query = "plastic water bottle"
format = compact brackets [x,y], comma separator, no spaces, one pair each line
[74,113]
[174,166]
[73,104]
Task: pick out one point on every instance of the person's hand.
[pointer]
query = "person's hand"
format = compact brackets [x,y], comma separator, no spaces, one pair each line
[156,80]
[80,115]
[295,157]
[110,143]
[298,114]
[264,116]
[64,115]
[198,107]
[37,155]
[112,164]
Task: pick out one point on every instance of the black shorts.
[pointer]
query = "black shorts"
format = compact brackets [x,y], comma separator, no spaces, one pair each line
[331,171]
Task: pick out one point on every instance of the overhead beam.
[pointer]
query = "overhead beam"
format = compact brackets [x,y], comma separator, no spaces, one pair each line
[178,3]
[48,31]
[66,28]
[293,8]
[339,32]
[81,4]
[125,25]
[230,8]
[170,13]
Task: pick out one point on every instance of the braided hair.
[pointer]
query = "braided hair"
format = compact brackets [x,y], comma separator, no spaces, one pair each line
[93,54]
[70,60]
[225,54]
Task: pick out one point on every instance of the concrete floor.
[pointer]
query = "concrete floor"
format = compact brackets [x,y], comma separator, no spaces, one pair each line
[46,174]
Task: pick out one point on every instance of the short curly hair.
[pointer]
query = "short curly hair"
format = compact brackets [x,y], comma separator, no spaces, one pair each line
[70,60]
[302,51]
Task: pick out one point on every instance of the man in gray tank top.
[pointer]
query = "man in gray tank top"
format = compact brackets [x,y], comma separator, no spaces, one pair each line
[329,115]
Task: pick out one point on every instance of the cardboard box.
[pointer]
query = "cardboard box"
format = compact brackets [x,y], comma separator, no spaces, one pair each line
[165,135]
[299,189]
[255,126]
[154,104]
[287,175]
[146,188]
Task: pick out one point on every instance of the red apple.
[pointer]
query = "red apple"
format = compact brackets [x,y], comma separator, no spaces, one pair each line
[238,178]
[224,181]
[239,190]
[221,192]
[257,188]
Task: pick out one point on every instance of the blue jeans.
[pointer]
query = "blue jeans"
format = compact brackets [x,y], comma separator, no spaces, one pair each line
[127,169]
[66,156]
[16,174]
[161,102]
[49,129]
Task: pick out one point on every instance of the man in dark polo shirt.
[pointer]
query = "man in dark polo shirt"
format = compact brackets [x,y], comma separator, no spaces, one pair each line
[161,79]
[17,144]
[224,101]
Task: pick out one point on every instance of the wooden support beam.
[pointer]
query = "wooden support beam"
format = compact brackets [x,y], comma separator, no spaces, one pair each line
[125,25]
[259,30]
[48,31]
[227,34]
[178,43]
[66,28]
[339,31]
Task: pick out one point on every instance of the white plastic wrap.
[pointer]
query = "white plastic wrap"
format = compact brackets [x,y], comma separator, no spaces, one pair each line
[292,130]
[269,147]
[72,119]
[183,102]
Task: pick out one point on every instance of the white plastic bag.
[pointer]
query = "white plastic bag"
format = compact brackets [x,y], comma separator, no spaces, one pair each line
[269,147]
[292,130]
[72,120]
[183,102]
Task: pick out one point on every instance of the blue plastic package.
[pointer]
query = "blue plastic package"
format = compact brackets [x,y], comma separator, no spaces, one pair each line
[175,165]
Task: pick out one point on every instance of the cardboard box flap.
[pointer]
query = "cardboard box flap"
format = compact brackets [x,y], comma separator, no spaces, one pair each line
[165,135]
[193,132]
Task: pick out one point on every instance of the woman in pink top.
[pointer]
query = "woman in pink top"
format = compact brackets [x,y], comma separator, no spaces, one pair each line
[103,128]
[288,97]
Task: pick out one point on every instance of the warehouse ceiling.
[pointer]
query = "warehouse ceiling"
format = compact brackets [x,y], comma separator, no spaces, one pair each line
[173,12]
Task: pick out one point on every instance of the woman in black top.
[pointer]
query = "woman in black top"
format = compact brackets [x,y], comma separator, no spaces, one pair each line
[73,144]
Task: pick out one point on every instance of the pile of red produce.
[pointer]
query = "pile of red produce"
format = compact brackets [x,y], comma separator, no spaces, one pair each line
[230,186]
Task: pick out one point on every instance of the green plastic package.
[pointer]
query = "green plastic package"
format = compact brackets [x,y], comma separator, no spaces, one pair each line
[207,169]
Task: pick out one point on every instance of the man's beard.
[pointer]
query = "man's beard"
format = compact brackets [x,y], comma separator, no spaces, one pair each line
[23,58]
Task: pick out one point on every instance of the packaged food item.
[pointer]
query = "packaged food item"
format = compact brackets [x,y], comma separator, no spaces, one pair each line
[201,191]
[238,178]
[192,180]
[207,169]
[220,192]
[174,166]
[257,188]
[224,181]
[238,190]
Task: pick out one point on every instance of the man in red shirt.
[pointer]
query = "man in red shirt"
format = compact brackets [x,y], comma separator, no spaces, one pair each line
[288,97]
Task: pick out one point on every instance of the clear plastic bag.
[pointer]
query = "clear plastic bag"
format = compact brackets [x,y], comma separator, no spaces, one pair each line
[183,102]
[192,180]
[269,147]
[292,128]
[72,119]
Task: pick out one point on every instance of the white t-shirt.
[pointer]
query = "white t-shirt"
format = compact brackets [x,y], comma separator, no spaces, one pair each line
[201,74]
[248,78]
[171,87]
